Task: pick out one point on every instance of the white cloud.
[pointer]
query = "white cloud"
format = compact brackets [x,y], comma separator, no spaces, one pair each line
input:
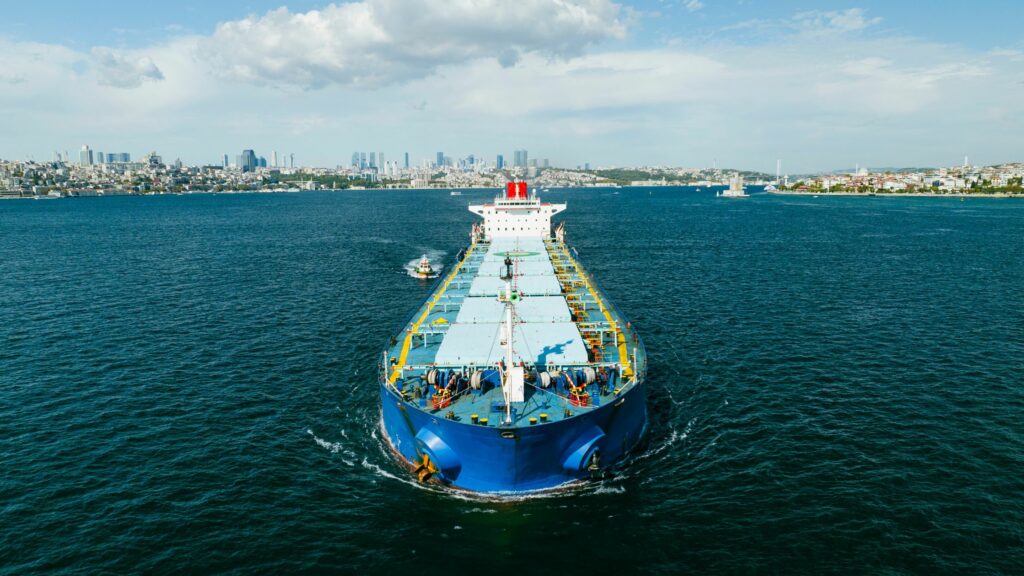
[694,5]
[817,100]
[378,42]
[114,68]
[590,84]
[833,22]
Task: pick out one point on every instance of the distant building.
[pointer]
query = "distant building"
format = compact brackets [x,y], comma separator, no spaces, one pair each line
[224,164]
[520,159]
[440,159]
[373,159]
[273,158]
[262,162]
[85,156]
[247,162]
[380,160]
[500,162]
[355,160]
[406,160]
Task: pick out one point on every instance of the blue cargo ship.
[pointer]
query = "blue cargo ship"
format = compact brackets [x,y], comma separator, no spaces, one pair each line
[517,374]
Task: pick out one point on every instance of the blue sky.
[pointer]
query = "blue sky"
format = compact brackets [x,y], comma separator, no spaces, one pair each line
[821,85]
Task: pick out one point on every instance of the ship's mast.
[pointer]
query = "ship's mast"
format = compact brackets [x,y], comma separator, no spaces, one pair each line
[508,329]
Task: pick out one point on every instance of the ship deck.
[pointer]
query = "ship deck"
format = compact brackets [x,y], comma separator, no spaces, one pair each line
[564,322]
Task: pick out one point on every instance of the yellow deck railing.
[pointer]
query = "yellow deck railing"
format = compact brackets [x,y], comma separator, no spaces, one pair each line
[620,338]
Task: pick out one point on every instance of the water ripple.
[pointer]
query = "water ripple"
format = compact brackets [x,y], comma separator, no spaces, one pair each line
[188,383]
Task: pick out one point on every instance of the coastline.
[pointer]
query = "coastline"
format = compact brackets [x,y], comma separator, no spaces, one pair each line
[627,186]
[891,194]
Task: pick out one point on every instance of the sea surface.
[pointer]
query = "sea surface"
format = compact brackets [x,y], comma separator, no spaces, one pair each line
[187,384]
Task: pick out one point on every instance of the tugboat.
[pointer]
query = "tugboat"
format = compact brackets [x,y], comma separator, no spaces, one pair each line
[424,269]
[517,373]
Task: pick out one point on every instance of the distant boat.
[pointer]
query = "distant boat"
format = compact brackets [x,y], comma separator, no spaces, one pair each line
[455,193]
[771,188]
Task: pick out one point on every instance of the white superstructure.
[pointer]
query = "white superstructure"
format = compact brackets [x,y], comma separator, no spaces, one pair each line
[517,214]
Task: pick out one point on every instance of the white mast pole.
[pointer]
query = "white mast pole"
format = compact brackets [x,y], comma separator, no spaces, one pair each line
[506,389]
[508,350]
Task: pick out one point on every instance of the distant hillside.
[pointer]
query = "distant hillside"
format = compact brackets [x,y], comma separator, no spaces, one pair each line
[872,169]
[627,175]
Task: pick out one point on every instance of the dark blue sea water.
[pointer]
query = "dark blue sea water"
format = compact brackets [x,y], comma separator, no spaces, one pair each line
[836,386]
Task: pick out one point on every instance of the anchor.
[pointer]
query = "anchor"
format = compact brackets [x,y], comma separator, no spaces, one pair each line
[426,469]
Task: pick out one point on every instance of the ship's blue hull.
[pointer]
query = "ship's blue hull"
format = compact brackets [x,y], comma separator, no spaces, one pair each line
[495,459]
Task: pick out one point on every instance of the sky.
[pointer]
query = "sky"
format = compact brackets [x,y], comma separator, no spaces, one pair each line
[734,83]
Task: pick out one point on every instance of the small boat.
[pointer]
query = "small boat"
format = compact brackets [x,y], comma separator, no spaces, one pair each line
[455,193]
[423,269]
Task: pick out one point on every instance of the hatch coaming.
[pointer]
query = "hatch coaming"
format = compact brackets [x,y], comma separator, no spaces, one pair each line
[565,325]
[606,341]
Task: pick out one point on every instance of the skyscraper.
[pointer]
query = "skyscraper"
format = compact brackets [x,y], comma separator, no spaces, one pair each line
[85,156]
[406,160]
[273,158]
[440,159]
[225,161]
[380,160]
[247,161]
[355,160]
[500,163]
[362,160]
[373,159]
[520,159]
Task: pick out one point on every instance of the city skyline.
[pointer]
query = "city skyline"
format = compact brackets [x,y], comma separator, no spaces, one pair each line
[698,83]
